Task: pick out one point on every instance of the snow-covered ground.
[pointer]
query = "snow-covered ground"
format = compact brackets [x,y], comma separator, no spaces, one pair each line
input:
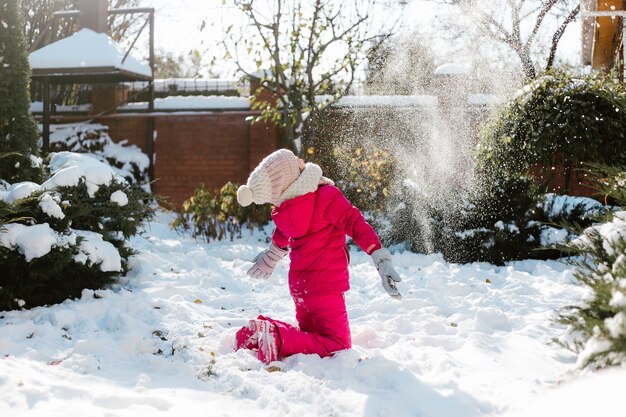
[465,340]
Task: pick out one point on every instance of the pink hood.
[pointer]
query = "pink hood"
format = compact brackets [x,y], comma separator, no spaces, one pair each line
[315,226]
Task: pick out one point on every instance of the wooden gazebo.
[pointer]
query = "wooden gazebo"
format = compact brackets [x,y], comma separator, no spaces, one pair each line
[90,56]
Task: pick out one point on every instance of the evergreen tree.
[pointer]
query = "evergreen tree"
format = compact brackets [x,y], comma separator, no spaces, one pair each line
[597,325]
[18,130]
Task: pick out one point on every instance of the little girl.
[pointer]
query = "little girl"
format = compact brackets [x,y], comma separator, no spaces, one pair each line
[312,220]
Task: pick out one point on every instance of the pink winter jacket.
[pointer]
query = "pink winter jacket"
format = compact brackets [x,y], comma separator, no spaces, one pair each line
[315,226]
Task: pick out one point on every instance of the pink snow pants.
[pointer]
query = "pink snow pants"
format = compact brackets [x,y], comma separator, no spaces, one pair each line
[323,326]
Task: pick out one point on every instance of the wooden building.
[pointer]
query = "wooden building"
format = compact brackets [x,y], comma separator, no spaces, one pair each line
[603,26]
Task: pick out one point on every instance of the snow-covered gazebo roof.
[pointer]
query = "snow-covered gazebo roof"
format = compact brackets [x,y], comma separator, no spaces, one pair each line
[89,57]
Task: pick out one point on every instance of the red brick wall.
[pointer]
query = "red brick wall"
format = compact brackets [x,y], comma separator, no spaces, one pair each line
[263,140]
[194,148]
[573,181]
[133,128]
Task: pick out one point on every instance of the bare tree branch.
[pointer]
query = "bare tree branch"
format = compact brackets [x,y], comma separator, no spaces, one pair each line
[510,26]
[557,36]
[543,12]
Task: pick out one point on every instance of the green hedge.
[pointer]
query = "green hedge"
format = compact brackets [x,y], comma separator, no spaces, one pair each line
[558,119]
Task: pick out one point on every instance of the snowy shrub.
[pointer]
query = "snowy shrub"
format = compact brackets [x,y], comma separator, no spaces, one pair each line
[556,119]
[128,161]
[68,233]
[597,326]
[512,223]
[564,217]
[498,224]
[216,215]
[491,224]
[464,231]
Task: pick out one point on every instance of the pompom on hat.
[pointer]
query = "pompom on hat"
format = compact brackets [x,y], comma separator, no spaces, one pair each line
[270,178]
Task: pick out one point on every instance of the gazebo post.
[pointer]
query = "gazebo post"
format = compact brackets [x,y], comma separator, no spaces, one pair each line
[151,101]
[46,115]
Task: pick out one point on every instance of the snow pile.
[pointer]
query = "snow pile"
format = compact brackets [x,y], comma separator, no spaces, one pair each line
[610,232]
[17,191]
[120,153]
[97,251]
[466,340]
[565,208]
[128,161]
[68,168]
[553,236]
[31,241]
[453,69]
[119,197]
[35,241]
[50,205]
[559,206]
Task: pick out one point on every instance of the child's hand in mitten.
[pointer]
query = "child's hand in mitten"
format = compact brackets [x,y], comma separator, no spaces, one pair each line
[388,275]
[265,261]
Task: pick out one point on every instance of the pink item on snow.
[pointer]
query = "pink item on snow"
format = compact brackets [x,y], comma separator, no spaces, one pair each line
[323,327]
[261,335]
[269,341]
[247,337]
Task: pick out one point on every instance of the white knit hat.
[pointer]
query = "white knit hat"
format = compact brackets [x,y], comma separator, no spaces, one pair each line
[270,178]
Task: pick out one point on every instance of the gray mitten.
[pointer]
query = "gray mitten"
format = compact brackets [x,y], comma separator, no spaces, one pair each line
[265,261]
[388,275]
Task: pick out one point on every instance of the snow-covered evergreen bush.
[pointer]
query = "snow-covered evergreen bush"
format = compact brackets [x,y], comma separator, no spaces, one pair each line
[18,131]
[216,215]
[597,325]
[68,233]
[129,161]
